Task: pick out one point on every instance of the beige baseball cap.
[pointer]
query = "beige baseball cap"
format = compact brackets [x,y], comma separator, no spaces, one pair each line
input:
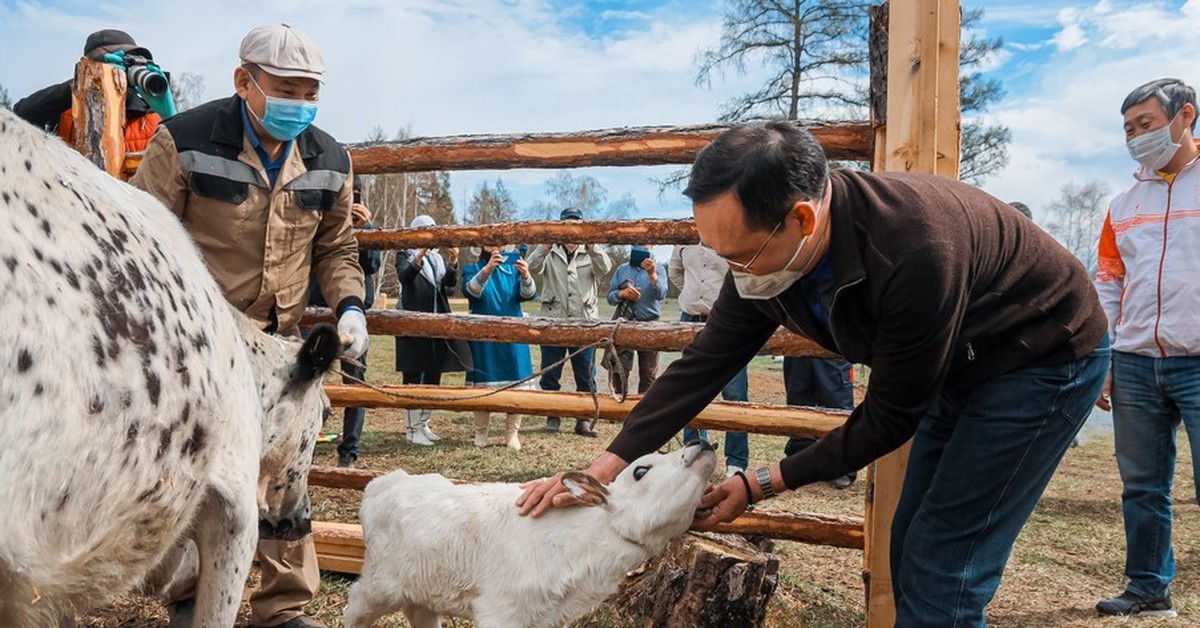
[281,50]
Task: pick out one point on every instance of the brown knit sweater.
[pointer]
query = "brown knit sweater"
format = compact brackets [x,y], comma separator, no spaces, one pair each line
[938,287]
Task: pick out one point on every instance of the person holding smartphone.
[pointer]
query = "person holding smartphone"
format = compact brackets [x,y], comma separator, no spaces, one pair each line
[496,285]
[639,289]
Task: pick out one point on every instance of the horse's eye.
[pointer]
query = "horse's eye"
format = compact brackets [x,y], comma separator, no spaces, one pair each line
[640,472]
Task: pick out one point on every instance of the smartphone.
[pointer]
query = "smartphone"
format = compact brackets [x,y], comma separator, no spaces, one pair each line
[511,257]
[358,196]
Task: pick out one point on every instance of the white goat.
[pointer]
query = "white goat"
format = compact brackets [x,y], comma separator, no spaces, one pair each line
[435,548]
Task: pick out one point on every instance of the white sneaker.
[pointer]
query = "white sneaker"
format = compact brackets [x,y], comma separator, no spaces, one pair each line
[732,471]
[513,442]
[429,434]
[416,437]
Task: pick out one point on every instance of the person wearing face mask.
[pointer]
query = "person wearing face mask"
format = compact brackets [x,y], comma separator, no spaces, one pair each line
[267,197]
[1147,279]
[569,276]
[986,342]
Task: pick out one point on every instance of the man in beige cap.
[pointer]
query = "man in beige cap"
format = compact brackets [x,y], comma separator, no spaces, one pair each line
[267,197]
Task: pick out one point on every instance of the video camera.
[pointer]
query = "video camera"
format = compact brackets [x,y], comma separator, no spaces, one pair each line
[146,78]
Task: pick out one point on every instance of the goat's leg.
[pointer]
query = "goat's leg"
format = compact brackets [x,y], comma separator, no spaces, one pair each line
[368,601]
[421,617]
[225,536]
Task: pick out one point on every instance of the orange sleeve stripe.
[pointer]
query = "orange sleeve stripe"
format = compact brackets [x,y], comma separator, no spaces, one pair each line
[1109,266]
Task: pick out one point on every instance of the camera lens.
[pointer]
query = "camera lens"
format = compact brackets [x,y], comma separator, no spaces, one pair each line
[148,81]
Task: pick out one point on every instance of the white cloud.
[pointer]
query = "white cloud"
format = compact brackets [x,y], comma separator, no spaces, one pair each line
[1066,124]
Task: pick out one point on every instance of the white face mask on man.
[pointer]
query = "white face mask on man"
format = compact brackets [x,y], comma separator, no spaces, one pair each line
[771,285]
[1155,149]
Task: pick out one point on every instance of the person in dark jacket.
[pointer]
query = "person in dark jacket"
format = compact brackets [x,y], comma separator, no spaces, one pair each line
[986,341]
[426,281]
[49,108]
[370,261]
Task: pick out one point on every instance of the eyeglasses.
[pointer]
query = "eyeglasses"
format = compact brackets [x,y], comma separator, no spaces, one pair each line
[745,267]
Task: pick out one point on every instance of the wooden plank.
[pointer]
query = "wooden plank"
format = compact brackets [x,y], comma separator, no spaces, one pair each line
[581,232]
[625,146]
[553,331]
[719,415]
[98,114]
[921,134]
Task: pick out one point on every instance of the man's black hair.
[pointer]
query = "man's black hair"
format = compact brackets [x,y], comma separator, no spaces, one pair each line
[768,165]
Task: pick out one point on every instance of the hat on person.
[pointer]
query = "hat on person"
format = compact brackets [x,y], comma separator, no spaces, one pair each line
[281,50]
[570,213]
[107,38]
[421,221]
[1023,208]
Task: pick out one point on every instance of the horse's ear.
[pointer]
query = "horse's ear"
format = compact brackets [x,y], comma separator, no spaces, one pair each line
[317,354]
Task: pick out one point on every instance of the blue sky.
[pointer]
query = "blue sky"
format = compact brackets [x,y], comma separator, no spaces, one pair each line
[446,67]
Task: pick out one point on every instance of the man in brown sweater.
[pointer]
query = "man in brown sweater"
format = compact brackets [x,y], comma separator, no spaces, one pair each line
[986,342]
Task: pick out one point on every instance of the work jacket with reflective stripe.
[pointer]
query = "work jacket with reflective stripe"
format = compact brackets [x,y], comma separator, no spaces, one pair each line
[260,241]
[1148,272]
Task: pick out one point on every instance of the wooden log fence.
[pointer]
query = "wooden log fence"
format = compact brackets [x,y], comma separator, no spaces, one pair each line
[581,232]
[554,331]
[718,415]
[625,146]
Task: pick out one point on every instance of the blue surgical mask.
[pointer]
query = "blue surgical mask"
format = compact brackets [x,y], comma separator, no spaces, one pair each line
[284,118]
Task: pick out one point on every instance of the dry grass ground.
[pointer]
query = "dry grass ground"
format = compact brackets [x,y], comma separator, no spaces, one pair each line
[1070,554]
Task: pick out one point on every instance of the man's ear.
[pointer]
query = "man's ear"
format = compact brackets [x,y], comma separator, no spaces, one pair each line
[241,81]
[806,212]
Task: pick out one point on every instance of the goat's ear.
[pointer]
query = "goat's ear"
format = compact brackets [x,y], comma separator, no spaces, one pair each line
[585,488]
[317,354]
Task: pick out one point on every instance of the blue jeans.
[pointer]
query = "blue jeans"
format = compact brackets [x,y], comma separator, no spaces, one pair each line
[737,444]
[1150,398]
[353,419]
[581,365]
[980,460]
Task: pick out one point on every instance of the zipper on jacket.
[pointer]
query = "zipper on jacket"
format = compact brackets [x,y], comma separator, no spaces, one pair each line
[970,353]
[1162,259]
[832,303]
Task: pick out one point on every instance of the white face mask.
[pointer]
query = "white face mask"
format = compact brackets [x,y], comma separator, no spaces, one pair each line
[770,285]
[1154,149]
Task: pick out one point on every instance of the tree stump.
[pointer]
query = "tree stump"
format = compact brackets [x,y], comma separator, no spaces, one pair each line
[703,580]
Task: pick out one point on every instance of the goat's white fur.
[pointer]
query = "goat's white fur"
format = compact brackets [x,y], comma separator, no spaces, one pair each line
[436,548]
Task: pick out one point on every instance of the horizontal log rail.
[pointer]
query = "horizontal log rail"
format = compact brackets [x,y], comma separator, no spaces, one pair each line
[650,231]
[718,415]
[624,146]
[557,332]
[836,530]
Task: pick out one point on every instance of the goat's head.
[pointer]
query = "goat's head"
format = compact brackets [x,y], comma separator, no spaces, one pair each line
[295,405]
[655,498]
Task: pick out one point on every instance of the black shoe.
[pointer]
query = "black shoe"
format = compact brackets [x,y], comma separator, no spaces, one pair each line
[1132,604]
[346,461]
[585,428]
[552,424]
[842,483]
[180,614]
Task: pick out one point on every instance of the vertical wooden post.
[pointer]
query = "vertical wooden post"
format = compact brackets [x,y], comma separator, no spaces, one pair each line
[98,114]
[920,131]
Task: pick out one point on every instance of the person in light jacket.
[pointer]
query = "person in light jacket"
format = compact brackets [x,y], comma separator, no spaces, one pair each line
[569,275]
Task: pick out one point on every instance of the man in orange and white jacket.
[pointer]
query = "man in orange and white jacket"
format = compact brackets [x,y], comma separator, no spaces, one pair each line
[1149,283]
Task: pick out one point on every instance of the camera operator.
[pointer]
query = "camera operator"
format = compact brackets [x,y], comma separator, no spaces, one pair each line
[50,107]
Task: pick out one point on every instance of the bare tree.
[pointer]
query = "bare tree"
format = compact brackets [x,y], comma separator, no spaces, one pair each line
[187,88]
[815,53]
[584,193]
[5,100]
[395,199]
[1076,217]
[491,204]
